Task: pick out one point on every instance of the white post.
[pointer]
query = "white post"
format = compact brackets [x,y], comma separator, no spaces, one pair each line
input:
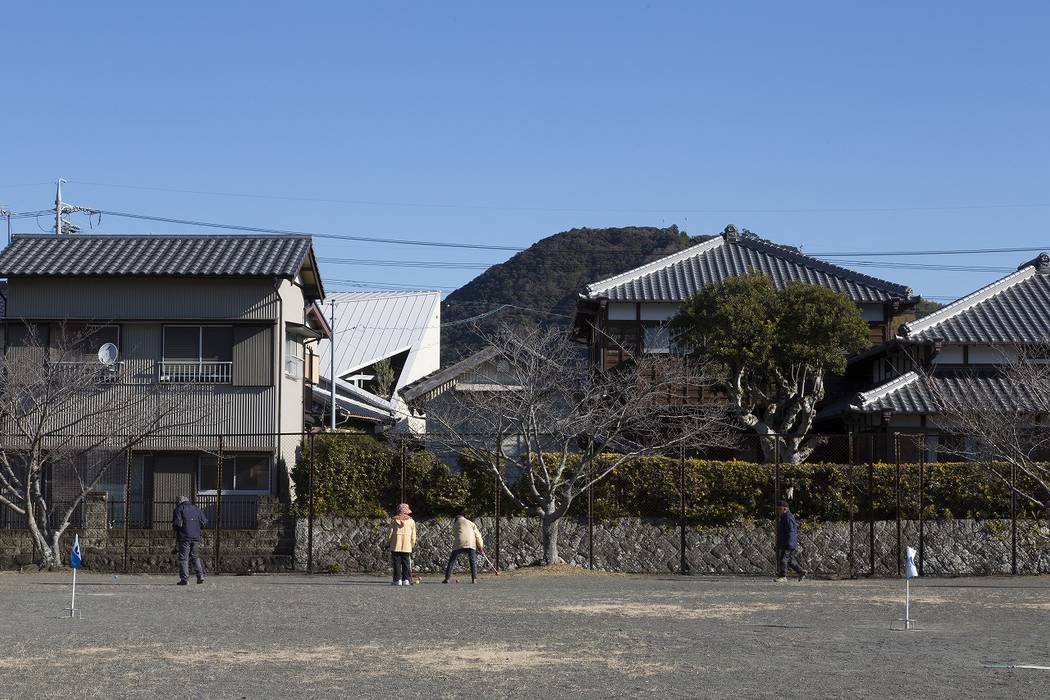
[73,602]
[331,364]
[907,603]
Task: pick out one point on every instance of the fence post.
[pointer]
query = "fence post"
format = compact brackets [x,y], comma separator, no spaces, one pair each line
[310,511]
[852,457]
[776,499]
[590,510]
[922,499]
[897,494]
[404,455]
[498,494]
[218,506]
[871,509]
[683,564]
[1013,520]
[127,504]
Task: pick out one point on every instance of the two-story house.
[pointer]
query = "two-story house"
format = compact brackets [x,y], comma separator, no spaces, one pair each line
[227,317]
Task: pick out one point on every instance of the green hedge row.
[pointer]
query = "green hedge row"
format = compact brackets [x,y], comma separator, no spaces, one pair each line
[359,475]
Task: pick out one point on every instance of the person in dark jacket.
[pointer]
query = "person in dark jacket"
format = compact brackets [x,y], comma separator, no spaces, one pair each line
[787,543]
[187,522]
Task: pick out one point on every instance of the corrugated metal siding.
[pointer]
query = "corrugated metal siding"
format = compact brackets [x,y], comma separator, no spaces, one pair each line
[140,348]
[252,355]
[173,476]
[103,300]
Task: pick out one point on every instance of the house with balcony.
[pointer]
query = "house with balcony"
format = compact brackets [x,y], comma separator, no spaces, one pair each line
[231,319]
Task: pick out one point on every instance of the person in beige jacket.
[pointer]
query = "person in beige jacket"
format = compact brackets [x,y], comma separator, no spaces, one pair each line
[467,539]
[402,542]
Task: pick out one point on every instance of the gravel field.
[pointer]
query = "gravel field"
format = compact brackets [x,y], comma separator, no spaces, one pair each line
[520,635]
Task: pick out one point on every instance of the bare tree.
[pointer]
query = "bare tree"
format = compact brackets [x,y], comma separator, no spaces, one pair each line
[549,426]
[1006,435]
[65,418]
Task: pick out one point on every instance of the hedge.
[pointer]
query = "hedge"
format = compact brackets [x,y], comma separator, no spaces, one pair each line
[360,475]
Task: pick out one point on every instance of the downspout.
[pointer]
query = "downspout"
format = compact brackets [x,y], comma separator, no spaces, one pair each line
[278,371]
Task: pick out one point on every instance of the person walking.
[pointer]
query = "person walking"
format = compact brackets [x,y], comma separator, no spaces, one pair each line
[402,542]
[467,540]
[188,521]
[787,543]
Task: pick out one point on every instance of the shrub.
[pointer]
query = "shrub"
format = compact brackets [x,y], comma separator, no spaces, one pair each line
[358,475]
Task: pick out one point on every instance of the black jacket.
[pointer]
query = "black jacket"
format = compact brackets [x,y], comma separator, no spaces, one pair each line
[188,521]
[787,532]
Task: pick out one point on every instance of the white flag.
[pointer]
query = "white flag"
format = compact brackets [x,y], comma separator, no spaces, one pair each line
[909,563]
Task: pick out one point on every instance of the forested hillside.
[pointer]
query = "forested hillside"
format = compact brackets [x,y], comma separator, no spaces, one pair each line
[544,280]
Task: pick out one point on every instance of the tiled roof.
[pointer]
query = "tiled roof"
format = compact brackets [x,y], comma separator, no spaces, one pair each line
[681,275]
[913,393]
[437,382]
[1014,309]
[154,256]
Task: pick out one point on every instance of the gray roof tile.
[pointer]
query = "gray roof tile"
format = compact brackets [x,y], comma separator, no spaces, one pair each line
[681,275]
[1014,309]
[913,393]
[154,256]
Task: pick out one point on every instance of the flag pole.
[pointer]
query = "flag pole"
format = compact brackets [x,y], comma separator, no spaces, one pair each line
[73,602]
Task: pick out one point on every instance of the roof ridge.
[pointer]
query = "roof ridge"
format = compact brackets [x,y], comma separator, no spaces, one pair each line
[155,236]
[659,263]
[887,388]
[811,261]
[969,301]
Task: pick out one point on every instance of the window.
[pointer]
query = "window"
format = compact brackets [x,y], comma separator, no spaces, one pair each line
[76,339]
[197,354]
[243,473]
[293,357]
[656,339]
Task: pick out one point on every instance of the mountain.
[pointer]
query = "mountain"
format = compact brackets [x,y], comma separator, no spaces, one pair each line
[542,282]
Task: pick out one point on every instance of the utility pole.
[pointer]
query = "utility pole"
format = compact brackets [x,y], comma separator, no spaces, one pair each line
[331,364]
[7,214]
[63,227]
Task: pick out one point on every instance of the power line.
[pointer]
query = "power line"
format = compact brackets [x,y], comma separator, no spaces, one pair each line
[406,263]
[638,210]
[285,232]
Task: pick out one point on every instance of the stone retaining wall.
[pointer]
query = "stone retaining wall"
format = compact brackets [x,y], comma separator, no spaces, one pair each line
[642,545]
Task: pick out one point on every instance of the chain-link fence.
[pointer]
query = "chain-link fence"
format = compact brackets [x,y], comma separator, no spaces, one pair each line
[322,501]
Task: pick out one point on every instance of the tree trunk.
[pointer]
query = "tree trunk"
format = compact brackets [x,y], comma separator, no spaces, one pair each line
[550,539]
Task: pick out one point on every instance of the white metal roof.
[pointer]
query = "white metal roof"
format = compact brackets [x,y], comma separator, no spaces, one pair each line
[370,326]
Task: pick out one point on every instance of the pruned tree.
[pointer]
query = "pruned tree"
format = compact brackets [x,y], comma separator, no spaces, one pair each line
[1007,435]
[538,416]
[772,350]
[65,419]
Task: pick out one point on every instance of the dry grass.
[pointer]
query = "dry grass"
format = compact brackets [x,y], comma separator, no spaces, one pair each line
[493,657]
[272,655]
[719,611]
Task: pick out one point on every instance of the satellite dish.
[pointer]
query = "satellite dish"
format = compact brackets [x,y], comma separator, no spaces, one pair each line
[107,354]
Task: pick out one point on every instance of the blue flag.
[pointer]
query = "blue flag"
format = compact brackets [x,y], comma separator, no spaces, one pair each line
[74,555]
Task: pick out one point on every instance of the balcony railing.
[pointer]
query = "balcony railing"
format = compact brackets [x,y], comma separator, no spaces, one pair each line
[195,372]
[92,369]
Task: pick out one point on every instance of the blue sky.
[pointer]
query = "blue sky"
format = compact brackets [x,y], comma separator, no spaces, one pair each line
[833,126]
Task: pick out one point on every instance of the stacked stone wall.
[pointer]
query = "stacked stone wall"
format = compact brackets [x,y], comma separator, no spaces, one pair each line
[652,546]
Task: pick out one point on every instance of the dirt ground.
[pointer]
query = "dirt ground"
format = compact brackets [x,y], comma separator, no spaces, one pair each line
[547,636]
